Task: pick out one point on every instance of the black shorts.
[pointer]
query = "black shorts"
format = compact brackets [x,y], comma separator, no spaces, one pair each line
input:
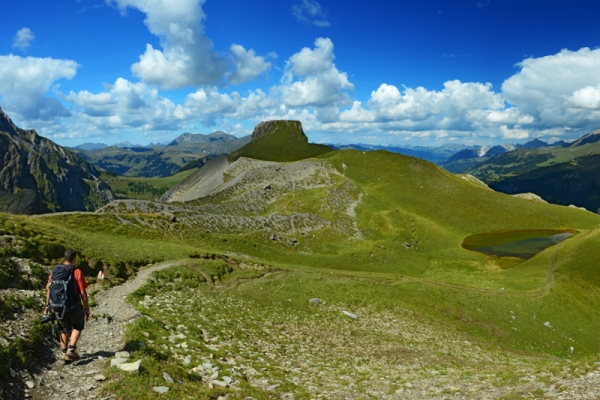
[73,319]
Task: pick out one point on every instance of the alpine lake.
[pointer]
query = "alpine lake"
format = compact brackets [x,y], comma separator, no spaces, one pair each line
[520,244]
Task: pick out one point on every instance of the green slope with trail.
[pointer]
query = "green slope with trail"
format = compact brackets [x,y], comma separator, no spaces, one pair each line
[374,230]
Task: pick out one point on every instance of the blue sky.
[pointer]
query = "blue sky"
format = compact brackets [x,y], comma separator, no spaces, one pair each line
[384,72]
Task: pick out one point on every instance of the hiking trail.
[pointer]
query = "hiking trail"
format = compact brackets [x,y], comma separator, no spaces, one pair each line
[102,336]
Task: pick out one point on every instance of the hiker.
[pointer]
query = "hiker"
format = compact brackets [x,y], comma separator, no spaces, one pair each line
[66,290]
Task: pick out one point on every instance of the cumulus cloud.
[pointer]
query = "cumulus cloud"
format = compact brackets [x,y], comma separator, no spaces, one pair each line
[509,115]
[139,106]
[310,11]
[514,133]
[24,82]
[458,107]
[127,105]
[247,66]
[587,97]
[557,90]
[122,95]
[312,79]
[548,97]
[187,57]
[23,38]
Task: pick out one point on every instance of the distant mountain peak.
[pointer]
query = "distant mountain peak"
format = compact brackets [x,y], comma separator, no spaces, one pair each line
[591,137]
[39,176]
[483,151]
[7,125]
[195,138]
[495,151]
[127,145]
[533,144]
[91,146]
[464,155]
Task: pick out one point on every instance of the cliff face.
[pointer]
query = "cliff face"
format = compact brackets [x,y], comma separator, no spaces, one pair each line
[38,176]
[281,141]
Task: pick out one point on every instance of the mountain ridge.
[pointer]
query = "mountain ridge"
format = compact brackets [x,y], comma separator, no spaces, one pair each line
[39,176]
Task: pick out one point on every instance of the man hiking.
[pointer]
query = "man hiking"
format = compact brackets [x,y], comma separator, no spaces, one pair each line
[66,290]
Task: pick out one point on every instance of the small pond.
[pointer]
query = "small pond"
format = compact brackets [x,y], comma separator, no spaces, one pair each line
[522,244]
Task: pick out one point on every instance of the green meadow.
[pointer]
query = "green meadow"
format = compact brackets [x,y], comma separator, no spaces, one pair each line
[407,265]
[128,187]
[414,219]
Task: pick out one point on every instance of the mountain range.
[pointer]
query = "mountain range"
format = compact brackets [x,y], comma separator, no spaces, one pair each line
[567,174]
[348,263]
[468,158]
[39,176]
[188,150]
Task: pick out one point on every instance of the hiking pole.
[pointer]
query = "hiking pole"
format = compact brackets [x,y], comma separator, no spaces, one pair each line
[51,317]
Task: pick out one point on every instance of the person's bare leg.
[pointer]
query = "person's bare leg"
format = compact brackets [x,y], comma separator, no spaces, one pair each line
[75,337]
[64,339]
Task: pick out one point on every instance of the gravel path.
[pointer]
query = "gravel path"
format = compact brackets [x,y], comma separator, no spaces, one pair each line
[101,338]
[104,335]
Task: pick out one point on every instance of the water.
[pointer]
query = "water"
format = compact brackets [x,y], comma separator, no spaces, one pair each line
[523,248]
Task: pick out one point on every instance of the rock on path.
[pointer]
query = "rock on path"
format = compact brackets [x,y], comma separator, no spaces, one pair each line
[101,338]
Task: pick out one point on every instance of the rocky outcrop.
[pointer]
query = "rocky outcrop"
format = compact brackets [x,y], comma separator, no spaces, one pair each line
[200,183]
[281,141]
[530,196]
[269,127]
[38,176]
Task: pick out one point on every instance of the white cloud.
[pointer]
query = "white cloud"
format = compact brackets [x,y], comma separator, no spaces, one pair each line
[515,133]
[357,114]
[557,90]
[553,96]
[23,38]
[312,79]
[24,82]
[587,97]
[509,115]
[458,107]
[247,66]
[123,96]
[187,58]
[127,105]
[310,11]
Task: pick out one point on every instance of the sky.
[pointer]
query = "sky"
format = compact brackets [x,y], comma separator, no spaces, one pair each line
[475,72]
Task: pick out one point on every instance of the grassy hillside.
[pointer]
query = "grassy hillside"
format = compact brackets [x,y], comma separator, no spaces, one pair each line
[520,161]
[376,234]
[559,174]
[142,162]
[574,182]
[126,187]
[413,220]
[282,141]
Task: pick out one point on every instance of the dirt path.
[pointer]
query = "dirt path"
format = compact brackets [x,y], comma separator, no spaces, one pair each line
[101,338]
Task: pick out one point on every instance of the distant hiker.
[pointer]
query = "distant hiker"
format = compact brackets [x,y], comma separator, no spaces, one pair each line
[66,290]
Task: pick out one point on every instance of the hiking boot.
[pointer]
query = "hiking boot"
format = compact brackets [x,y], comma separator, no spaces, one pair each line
[71,355]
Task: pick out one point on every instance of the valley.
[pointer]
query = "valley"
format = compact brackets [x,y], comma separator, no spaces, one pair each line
[311,273]
[565,174]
